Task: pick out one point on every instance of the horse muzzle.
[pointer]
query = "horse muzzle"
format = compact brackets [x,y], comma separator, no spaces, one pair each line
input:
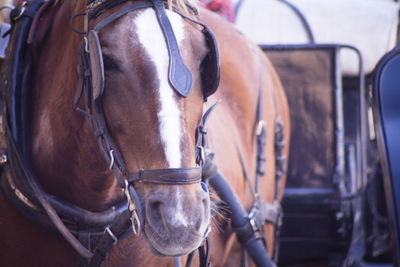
[177,218]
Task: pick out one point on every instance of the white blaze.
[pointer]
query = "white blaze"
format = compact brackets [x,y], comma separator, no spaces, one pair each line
[152,39]
[180,218]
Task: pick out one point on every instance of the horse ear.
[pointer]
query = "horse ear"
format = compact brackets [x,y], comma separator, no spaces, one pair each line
[96,64]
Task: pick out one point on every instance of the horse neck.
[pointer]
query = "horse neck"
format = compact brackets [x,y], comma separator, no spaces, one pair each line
[65,153]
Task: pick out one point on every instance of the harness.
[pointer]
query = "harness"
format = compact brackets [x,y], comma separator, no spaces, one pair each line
[102,230]
[248,226]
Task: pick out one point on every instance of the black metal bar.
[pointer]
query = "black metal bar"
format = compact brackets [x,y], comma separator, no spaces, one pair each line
[239,219]
[303,20]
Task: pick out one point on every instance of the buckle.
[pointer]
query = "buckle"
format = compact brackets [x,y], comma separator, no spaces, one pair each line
[111,234]
[279,217]
[260,127]
[201,156]
[111,152]
[133,209]
[17,12]
[251,216]
[3,158]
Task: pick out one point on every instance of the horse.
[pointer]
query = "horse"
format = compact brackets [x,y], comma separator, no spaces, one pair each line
[140,97]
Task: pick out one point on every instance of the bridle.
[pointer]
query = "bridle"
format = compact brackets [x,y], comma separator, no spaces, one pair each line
[91,83]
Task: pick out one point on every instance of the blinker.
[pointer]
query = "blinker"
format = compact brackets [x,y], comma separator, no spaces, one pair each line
[96,64]
[210,75]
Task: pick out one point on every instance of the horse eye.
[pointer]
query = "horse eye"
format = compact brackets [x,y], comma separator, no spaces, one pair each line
[109,63]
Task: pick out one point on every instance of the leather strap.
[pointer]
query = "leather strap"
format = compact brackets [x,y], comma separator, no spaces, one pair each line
[111,236]
[202,151]
[177,176]
[280,157]
[48,208]
[120,13]
[204,254]
[179,75]
[105,5]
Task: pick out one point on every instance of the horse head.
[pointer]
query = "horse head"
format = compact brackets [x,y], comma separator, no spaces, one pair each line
[142,89]
[152,119]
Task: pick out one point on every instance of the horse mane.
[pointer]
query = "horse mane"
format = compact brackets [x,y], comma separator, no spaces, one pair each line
[184,6]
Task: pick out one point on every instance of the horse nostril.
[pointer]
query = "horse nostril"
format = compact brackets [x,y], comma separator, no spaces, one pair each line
[154,212]
[155,205]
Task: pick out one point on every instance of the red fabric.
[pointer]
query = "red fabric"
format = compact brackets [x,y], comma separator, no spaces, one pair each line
[223,7]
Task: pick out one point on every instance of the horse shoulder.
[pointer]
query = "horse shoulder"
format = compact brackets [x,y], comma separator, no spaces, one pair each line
[245,71]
